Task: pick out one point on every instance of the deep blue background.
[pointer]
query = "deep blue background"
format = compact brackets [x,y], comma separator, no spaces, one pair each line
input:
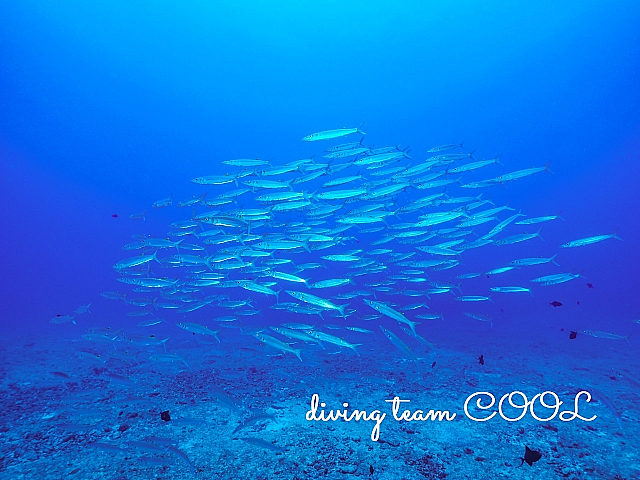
[105,109]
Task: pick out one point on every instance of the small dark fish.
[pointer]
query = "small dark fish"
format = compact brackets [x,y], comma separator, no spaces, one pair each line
[371,470]
[115,215]
[433,364]
[590,285]
[165,416]
[555,303]
[481,359]
[530,456]
[573,335]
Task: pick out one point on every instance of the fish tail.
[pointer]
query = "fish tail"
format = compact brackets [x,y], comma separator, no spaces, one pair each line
[360,131]
[538,234]
[297,354]
[405,152]
[154,256]
[497,160]
[554,261]
[530,293]
[461,145]
[489,298]
[471,154]
[546,167]
[615,235]
[627,339]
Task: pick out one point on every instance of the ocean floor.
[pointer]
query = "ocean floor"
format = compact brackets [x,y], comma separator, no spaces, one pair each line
[238,410]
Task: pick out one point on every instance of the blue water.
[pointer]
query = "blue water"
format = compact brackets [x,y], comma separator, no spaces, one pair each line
[107,109]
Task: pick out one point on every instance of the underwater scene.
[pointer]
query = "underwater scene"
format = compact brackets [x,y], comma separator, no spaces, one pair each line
[334,240]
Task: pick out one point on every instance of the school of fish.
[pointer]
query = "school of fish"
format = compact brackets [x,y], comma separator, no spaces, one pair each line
[273,236]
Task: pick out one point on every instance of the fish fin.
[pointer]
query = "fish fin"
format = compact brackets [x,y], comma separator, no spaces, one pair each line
[627,339]
[461,145]
[546,167]
[554,261]
[471,154]
[538,234]
[360,131]
[615,235]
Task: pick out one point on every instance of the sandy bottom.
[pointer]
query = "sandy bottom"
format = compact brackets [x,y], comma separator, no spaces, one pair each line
[95,420]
